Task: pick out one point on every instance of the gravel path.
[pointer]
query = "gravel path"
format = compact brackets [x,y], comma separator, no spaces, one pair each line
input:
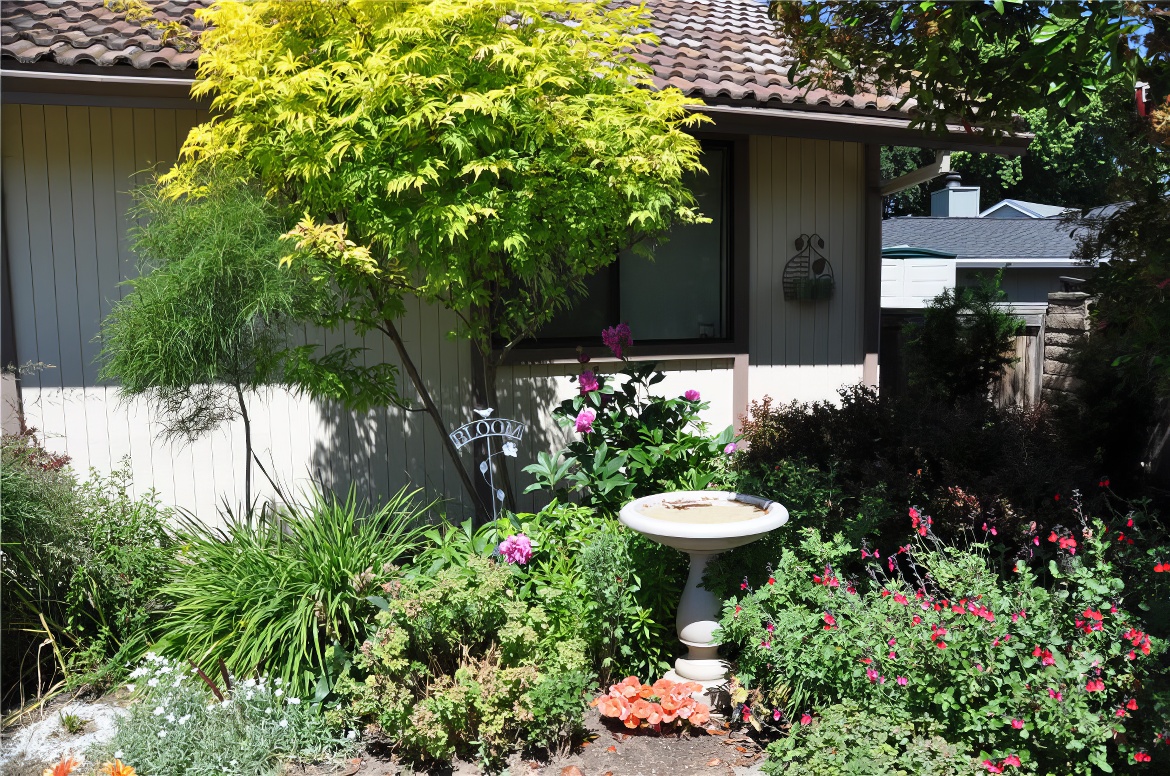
[43,741]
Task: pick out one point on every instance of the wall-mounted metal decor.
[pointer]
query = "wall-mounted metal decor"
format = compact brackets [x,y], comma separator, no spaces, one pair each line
[808,276]
[489,429]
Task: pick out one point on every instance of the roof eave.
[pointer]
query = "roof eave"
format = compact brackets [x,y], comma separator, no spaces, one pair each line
[802,120]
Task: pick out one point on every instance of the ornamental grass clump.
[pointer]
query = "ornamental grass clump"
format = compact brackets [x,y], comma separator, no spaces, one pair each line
[1045,671]
[274,592]
[184,724]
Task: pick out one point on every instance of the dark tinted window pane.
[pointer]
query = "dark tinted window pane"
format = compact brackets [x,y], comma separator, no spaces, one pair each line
[681,294]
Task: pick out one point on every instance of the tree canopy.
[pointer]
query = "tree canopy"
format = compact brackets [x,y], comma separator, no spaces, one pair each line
[974,63]
[485,156]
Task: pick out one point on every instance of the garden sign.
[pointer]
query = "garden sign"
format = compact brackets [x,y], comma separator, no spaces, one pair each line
[490,429]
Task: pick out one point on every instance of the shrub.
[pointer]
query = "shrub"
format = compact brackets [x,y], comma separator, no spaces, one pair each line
[845,739]
[177,727]
[587,571]
[963,342]
[273,592]
[1056,674]
[82,565]
[460,665]
[969,462]
[631,443]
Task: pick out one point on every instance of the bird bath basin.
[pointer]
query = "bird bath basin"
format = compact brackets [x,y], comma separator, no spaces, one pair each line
[702,524]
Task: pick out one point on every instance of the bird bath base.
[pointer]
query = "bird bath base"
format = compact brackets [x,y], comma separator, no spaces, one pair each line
[707,523]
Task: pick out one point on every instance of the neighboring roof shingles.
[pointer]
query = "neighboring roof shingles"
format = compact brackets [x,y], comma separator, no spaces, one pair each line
[722,51]
[984,238]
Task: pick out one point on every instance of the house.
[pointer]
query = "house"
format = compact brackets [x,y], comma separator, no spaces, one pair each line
[788,302]
[957,245]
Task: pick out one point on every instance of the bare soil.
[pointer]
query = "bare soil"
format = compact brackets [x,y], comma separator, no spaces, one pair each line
[607,751]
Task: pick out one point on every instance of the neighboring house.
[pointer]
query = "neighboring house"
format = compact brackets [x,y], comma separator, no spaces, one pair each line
[957,245]
[91,101]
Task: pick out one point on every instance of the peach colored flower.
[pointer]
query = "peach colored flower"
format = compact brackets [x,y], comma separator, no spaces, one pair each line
[663,687]
[631,721]
[63,768]
[701,715]
[614,706]
[646,691]
[628,687]
[655,715]
[642,708]
[670,704]
[684,712]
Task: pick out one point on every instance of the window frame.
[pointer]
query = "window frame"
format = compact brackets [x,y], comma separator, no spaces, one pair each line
[738,209]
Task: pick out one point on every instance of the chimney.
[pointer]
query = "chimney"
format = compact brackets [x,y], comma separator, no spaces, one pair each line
[956,200]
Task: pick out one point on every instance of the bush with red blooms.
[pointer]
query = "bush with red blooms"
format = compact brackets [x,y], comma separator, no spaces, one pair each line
[655,707]
[1050,670]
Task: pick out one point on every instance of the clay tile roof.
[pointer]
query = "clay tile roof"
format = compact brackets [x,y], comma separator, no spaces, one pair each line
[721,51]
[75,32]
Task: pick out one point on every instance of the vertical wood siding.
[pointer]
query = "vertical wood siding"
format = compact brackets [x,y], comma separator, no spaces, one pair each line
[68,173]
[802,350]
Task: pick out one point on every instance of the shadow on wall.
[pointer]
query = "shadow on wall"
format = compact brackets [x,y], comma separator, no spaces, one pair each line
[386,449]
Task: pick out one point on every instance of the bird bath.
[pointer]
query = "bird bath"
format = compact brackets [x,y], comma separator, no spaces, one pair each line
[702,524]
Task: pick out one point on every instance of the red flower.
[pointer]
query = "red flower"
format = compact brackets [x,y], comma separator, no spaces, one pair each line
[1052,536]
[1012,760]
[830,621]
[1132,705]
[941,644]
[1095,685]
[992,767]
[771,580]
[1160,567]
[1141,757]
[1056,497]
[916,619]
[806,719]
[1018,724]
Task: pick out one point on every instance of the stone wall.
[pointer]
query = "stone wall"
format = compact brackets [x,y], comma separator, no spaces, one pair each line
[1066,323]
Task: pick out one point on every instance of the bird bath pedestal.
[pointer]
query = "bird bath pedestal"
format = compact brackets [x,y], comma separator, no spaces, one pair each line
[702,524]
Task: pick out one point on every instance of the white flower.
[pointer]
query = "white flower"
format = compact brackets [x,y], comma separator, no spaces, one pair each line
[278,693]
[152,656]
[170,718]
[509,449]
[249,683]
[118,755]
[162,734]
[178,681]
[249,696]
[226,702]
[268,710]
[279,681]
[294,701]
[159,711]
[129,688]
[184,719]
[140,671]
[284,723]
[351,735]
[153,682]
[234,763]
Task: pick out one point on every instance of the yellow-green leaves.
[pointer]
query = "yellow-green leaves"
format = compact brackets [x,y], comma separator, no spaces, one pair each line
[485,155]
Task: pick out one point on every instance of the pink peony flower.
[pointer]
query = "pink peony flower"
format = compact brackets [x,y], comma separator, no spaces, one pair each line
[691,395]
[588,382]
[617,338]
[516,549]
[585,420]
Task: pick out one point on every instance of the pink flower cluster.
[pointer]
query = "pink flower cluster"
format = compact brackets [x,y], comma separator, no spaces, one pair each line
[618,338]
[993,767]
[517,548]
[588,382]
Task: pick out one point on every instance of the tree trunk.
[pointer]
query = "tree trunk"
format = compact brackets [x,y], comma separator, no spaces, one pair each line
[412,372]
[247,448]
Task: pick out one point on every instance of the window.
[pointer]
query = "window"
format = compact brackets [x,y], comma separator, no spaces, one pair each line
[682,296]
